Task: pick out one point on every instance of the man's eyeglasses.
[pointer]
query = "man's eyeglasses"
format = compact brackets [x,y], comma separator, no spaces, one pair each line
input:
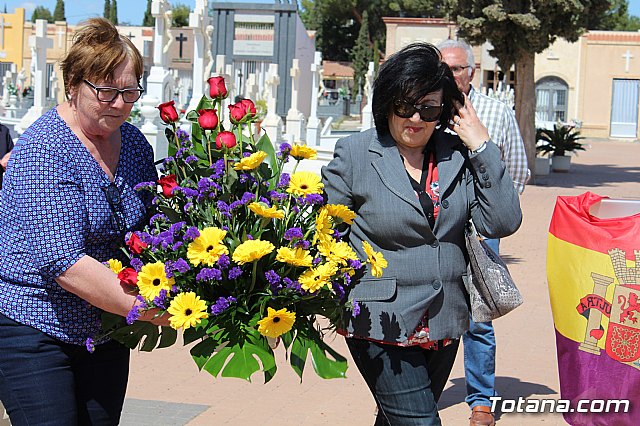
[459,69]
[109,94]
[112,194]
[428,113]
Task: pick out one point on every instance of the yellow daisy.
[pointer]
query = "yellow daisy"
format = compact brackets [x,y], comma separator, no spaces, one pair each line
[252,250]
[276,323]
[314,279]
[340,212]
[251,162]
[305,183]
[270,212]
[152,278]
[324,228]
[115,265]
[187,310]
[337,252]
[301,152]
[375,258]
[208,247]
[295,257]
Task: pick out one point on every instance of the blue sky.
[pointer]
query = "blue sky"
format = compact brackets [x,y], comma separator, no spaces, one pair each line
[132,11]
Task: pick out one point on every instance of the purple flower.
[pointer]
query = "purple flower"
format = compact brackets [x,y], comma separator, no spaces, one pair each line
[338,290]
[168,268]
[277,196]
[191,159]
[191,233]
[136,263]
[356,309]
[272,278]
[182,136]
[188,207]
[294,285]
[157,218]
[161,299]
[235,272]
[347,278]
[188,192]
[247,197]
[222,304]
[181,152]
[209,274]
[235,205]
[304,244]
[311,199]
[284,150]
[293,234]
[354,263]
[152,186]
[284,180]
[177,245]
[223,208]
[90,344]
[224,261]
[317,261]
[133,314]
[218,169]
[181,266]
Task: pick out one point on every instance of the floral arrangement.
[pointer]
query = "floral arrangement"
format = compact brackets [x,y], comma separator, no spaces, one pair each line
[241,254]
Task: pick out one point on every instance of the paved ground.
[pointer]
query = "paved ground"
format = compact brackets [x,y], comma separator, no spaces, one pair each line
[168,387]
[526,361]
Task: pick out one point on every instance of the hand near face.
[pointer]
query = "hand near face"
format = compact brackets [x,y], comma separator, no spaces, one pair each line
[5,160]
[468,126]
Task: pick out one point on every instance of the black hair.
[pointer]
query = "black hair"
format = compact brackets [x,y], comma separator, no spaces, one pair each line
[411,74]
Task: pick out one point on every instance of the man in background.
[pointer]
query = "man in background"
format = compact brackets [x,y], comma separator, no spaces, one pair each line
[480,342]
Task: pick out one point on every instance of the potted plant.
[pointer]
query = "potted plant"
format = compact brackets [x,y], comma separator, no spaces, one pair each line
[559,142]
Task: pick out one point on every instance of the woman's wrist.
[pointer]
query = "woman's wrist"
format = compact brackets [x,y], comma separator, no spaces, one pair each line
[480,148]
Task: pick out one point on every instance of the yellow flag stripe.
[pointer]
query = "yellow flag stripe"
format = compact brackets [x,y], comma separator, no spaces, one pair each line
[569,269]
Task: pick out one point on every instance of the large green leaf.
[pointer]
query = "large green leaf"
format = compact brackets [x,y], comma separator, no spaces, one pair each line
[324,366]
[202,351]
[298,355]
[168,337]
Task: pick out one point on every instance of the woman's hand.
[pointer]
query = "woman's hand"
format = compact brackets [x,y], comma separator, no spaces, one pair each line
[468,126]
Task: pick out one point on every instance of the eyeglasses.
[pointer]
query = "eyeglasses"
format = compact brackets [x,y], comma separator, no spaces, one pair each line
[112,194]
[109,94]
[458,69]
[428,113]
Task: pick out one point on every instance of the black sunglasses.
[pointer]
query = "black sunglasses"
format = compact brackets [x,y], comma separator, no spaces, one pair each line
[109,94]
[428,113]
[112,194]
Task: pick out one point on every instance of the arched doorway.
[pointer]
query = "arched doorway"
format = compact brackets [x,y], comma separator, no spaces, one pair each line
[551,99]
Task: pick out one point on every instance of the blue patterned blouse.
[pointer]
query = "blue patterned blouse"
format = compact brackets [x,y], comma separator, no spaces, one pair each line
[53,211]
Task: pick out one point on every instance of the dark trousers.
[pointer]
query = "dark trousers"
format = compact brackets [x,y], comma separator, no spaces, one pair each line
[44,381]
[406,382]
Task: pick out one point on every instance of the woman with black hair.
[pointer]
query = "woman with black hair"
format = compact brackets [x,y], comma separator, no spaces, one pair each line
[414,184]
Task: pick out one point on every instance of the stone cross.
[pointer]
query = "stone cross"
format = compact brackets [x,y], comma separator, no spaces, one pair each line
[3,25]
[295,119]
[199,21]
[627,57]
[272,122]
[313,126]
[181,39]
[294,73]
[39,44]
[251,87]
[158,11]
[60,33]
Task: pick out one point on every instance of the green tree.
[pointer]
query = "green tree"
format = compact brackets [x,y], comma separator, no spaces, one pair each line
[41,12]
[58,13]
[617,18]
[518,30]
[361,55]
[337,22]
[180,16]
[106,13]
[113,12]
[148,20]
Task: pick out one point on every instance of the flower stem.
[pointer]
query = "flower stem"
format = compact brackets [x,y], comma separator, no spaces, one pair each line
[253,276]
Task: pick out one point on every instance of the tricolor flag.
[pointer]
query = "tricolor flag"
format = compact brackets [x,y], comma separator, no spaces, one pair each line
[593,271]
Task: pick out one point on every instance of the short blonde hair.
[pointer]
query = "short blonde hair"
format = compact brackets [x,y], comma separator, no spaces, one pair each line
[97,50]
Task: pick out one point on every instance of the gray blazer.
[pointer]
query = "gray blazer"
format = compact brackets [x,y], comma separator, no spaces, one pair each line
[427,267]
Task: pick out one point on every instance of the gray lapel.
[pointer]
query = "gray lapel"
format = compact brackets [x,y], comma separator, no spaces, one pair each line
[392,172]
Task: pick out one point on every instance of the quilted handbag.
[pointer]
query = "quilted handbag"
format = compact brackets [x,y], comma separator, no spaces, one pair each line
[492,292]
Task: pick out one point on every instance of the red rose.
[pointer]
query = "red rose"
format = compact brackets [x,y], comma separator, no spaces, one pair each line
[208,119]
[226,139]
[128,276]
[241,109]
[167,183]
[168,112]
[217,88]
[135,244]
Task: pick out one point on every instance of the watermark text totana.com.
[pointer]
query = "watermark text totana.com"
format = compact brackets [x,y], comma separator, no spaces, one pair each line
[522,405]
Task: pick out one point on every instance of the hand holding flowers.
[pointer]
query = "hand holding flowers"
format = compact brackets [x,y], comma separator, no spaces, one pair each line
[238,251]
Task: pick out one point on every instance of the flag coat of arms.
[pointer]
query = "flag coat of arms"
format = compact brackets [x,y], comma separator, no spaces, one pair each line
[593,272]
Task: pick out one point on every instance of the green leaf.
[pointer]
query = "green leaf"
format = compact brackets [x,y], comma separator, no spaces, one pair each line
[202,352]
[217,361]
[324,366]
[168,337]
[298,355]
[264,144]
[151,337]
[171,214]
